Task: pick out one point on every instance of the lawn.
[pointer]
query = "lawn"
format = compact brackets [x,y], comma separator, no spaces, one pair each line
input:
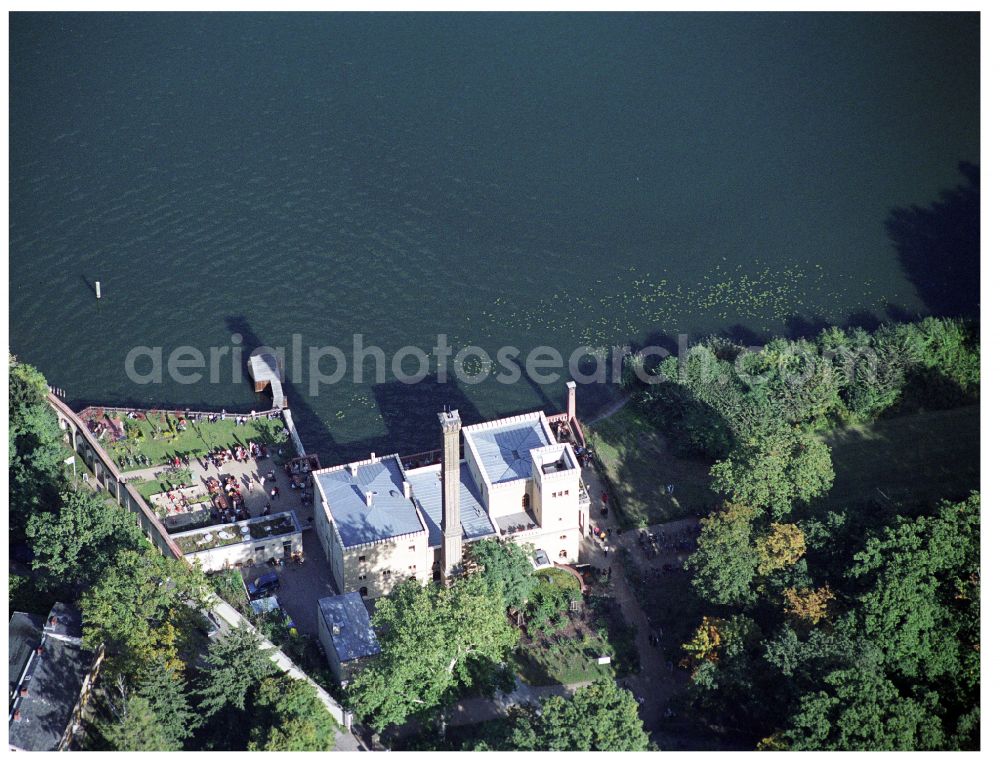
[178,477]
[912,459]
[640,466]
[566,649]
[158,438]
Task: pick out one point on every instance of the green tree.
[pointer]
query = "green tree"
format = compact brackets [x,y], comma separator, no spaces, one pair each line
[920,581]
[946,350]
[235,665]
[803,384]
[725,562]
[142,609]
[35,444]
[863,711]
[137,729]
[76,542]
[877,373]
[506,569]
[430,639]
[600,716]
[774,466]
[291,717]
[156,715]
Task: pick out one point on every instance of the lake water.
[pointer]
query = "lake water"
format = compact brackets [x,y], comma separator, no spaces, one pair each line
[504,179]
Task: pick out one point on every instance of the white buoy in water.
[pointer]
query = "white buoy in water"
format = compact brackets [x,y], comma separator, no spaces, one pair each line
[97,288]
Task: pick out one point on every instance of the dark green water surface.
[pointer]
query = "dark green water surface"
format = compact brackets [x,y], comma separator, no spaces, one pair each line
[504,179]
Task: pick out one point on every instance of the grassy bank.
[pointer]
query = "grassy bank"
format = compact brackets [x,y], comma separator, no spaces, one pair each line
[158,437]
[641,466]
[912,459]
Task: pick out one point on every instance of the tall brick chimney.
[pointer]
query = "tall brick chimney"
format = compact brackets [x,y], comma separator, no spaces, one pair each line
[451,523]
[571,399]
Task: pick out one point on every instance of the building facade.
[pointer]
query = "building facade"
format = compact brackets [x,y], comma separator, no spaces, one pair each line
[380,522]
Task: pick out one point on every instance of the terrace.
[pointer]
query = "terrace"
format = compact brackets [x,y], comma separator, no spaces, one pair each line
[515,523]
[139,439]
[221,535]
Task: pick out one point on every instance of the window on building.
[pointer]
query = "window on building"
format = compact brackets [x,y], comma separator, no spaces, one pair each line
[385,574]
[361,558]
[562,537]
[554,494]
[363,592]
[259,549]
[562,554]
[412,548]
[363,577]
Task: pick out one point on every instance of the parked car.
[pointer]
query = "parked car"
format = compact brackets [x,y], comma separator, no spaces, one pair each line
[265,585]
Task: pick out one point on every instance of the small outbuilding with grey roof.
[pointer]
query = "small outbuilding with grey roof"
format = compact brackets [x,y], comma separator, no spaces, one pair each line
[345,631]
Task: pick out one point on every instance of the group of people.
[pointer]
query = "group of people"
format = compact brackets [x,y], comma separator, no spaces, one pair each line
[584,455]
[228,498]
[602,534]
[653,543]
[176,502]
[238,453]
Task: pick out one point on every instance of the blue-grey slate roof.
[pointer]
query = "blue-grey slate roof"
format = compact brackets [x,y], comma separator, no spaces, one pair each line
[24,634]
[426,485]
[53,681]
[391,513]
[505,450]
[349,625]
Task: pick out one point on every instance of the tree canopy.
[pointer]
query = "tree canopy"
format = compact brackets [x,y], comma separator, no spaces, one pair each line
[598,717]
[154,715]
[74,543]
[235,665]
[506,569]
[725,562]
[430,638]
[289,717]
[141,609]
[36,447]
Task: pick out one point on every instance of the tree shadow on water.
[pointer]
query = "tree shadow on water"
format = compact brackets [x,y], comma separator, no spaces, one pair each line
[938,247]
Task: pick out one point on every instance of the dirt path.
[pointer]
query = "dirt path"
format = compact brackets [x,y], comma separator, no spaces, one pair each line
[656,682]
